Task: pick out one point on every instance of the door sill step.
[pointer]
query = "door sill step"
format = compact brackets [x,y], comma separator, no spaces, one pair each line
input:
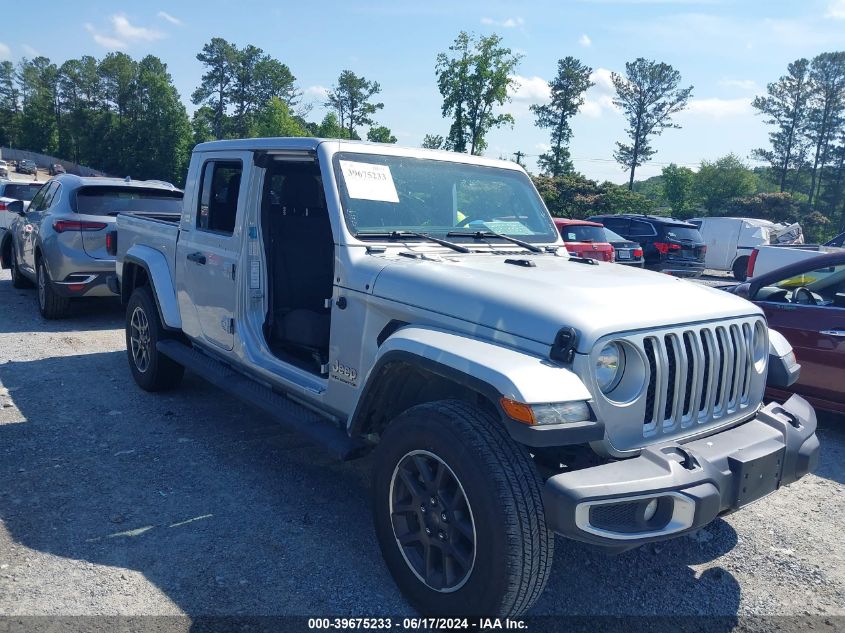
[288,413]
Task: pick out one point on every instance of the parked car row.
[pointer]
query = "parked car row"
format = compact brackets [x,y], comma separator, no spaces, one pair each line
[668,245]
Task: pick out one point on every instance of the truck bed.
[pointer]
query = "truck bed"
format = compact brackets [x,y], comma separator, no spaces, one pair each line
[773,256]
[158,232]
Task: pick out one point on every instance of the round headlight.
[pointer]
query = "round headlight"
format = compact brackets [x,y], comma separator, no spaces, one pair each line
[610,364]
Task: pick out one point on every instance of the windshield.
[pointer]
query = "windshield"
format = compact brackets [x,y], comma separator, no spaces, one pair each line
[690,233]
[383,194]
[21,192]
[114,200]
[613,237]
[582,233]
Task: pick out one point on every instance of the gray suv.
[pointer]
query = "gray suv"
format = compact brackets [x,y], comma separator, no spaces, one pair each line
[60,242]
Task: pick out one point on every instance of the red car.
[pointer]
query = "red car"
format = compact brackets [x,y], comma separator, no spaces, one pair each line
[585,239]
[805,302]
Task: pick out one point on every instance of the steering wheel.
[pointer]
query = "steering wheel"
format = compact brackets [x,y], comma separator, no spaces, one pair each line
[802,295]
[468,220]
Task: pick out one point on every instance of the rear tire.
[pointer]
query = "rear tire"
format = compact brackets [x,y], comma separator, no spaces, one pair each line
[18,280]
[152,370]
[465,501]
[740,268]
[50,304]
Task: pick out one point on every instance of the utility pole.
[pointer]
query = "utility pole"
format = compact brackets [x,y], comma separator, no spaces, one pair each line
[519,156]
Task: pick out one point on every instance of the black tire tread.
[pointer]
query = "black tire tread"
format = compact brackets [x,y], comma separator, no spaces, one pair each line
[55,306]
[18,280]
[166,373]
[741,265]
[519,488]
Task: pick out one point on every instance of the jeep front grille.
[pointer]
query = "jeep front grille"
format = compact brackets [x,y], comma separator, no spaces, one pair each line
[697,374]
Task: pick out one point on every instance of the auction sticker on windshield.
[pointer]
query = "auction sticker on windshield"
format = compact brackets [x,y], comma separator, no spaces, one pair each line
[366,181]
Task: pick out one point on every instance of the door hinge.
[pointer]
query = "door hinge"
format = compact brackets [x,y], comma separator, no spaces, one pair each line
[228,325]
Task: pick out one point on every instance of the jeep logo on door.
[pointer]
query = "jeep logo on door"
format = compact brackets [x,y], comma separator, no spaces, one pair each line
[341,372]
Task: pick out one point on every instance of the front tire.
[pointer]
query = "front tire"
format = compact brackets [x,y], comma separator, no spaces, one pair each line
[458,513]
[740,268]
[152,370]
[51,305]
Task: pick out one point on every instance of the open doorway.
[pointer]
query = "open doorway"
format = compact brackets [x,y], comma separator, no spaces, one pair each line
[300,261]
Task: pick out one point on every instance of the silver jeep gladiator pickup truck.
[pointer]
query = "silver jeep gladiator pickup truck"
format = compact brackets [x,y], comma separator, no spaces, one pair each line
[422,305]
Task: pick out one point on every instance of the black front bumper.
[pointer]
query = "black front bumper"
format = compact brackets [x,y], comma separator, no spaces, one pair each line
[692,483]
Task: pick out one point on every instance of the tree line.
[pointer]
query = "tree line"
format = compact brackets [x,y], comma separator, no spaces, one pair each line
[126,117]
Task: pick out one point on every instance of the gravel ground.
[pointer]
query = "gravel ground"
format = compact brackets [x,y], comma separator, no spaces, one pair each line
[119,502]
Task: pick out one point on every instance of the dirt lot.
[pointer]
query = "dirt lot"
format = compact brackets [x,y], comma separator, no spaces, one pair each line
[115,501]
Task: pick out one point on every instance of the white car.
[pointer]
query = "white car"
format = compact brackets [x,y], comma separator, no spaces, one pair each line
[4,169]
[730,241]
[14,190]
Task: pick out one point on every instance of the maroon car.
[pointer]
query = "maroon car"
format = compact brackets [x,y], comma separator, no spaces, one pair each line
[805,302]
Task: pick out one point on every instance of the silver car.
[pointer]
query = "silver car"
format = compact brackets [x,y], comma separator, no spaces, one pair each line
[60,242]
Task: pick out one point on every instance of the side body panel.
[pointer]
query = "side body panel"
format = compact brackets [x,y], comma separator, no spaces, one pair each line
[821,355]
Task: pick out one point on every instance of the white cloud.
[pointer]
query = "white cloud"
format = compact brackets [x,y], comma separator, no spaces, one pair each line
[836,10]
[530,89]
[123,33]
[599,98]
[5,52]
[316,92]
[123,28]
[718,108]
[164,15]
[29,50]
[749,85]
[105,41]
[585,40]
[524,92]
[507,23]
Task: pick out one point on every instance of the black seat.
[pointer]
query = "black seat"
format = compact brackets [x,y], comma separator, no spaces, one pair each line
[224,213]
[303,263]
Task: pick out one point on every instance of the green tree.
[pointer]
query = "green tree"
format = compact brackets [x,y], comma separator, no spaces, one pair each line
[202,124]
[162,131]
[785,105]
[275,119]
[567,95]
[351,97]
[433,141]
[38,81]
[827,105]
[219,58]
[679,189]
[572,195]
[9,104]
[256,79]
[474,78]
[380,134]
[649,96]
[718,182]
[80,102]
[330,128]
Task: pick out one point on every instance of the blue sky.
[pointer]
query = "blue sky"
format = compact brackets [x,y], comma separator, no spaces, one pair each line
[727,49]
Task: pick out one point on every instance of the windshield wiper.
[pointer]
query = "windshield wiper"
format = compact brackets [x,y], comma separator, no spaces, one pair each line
[480,235]
[398,235]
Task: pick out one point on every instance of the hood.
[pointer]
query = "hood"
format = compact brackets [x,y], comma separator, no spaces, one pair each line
[536,302]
